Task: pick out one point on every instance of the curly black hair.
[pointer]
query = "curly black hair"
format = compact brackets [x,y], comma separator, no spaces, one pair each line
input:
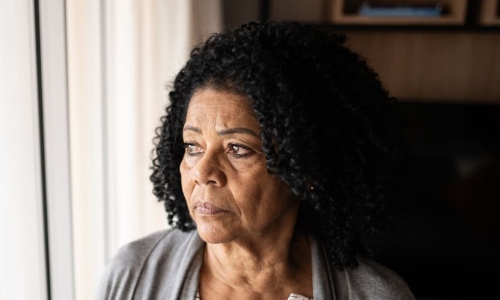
[330,130]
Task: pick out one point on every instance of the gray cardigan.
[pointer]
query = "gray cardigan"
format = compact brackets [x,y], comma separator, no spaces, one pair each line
[166,265]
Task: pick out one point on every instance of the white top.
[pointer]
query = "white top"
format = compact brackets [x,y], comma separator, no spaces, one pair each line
[291,297]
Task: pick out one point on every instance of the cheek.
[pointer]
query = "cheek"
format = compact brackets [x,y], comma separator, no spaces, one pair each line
[255,194]
[277,194]
[187,186]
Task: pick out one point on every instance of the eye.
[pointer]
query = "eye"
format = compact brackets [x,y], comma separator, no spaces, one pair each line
[192,149]
[239,151]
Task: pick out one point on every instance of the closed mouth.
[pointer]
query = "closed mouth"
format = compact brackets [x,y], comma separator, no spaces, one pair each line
[206,208]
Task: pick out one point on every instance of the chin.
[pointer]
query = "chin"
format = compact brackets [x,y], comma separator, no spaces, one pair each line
[215,235]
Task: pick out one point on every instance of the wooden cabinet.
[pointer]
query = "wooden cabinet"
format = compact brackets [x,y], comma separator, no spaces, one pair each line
[433,65]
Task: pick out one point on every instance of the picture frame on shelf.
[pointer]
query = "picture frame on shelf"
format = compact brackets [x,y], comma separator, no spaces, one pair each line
[394,12]
[489,13]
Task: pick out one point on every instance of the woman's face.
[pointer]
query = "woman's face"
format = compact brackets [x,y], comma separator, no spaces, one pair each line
[228,190]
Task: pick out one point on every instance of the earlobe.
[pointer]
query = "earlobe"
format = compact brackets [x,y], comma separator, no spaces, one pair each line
[309,186]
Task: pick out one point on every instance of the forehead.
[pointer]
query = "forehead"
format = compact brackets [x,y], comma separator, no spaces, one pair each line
[221,109]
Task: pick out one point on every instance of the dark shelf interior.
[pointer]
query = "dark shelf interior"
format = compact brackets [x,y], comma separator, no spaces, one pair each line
[447,244]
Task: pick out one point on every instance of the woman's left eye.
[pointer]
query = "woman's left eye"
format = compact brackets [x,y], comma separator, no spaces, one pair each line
[239,151]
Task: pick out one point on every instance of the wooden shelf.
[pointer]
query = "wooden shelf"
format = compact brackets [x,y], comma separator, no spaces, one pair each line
[433,66]
[449,59]
[345,12]
[407,28]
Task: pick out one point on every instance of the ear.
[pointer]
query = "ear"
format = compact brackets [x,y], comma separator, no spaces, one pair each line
[309,186]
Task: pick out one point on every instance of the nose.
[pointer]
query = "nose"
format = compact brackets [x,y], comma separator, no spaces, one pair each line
[209,171]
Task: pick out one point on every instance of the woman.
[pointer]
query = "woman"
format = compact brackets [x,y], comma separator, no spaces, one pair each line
[276,161]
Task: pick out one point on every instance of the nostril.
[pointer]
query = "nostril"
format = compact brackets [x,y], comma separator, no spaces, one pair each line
[204,177]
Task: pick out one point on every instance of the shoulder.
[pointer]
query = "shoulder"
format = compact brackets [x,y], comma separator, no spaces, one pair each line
[135,260]
[133,255]
[371,280]
[138,250]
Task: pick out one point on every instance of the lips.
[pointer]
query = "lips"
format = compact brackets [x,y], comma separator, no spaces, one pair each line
[206,208]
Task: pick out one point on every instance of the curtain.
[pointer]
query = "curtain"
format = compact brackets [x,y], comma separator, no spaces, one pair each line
[122,56]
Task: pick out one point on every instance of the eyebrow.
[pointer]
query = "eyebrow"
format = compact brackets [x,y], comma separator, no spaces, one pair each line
[225,131]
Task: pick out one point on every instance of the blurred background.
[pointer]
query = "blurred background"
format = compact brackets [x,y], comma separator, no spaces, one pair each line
[84,82]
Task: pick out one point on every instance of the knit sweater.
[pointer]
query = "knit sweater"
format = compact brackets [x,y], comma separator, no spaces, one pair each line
[166,265]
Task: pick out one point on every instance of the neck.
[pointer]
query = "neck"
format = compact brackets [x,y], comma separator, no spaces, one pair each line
[260,263]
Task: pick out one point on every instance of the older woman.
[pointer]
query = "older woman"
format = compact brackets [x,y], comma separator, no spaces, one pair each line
[276,161]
